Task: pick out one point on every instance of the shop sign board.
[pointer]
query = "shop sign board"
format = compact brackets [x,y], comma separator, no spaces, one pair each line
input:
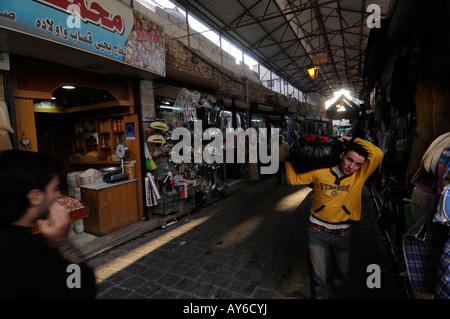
[105,27]
[320,59]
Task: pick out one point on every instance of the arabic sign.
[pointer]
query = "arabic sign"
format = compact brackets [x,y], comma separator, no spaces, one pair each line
[320,59]
[105,27]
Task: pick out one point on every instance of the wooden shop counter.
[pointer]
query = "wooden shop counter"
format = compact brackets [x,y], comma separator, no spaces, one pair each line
[111,205]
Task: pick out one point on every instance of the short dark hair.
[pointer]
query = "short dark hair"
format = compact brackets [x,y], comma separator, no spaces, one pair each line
[21,172]
[357,148]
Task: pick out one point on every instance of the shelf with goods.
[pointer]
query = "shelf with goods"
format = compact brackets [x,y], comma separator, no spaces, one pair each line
[94,140]
[171,188]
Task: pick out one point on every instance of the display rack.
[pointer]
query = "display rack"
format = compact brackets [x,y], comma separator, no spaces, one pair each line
[94,141]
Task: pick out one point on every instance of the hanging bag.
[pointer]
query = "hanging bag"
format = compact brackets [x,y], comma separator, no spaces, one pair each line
[422,257]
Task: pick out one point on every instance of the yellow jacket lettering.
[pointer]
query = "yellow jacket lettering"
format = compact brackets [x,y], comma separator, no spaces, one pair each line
[337,200]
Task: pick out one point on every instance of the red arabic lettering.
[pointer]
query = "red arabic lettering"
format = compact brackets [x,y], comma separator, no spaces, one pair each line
[142,35]
[95,14]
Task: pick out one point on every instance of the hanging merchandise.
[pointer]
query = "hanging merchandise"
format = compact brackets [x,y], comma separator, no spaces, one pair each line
[422,244]
[5,128]
[442,287]
[429,162]
[148,193]
[190,111]
[158,125]
[204,107]
[152,165]
[178,107]
[151,191]
[149,162]
[443,210]
[5,141]
[422,195]
[184,107]
[158,139]
[5,122]
[443,169]
[209,102]
[422,258]
[158,132]
[225,122]
[147,156]
[243,120]
[155,189]
[214,116]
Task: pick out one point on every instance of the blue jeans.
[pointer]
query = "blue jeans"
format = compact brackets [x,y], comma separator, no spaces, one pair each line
[320,244]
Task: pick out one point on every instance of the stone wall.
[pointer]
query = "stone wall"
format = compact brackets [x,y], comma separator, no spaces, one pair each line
[196,55]
[231,83]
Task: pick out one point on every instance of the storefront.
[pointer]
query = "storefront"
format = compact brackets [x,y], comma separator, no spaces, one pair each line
[82,125]
[72,90]
[407,117]
[190,103]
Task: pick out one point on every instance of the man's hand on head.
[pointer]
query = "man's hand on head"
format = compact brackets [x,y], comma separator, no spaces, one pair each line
[345,139]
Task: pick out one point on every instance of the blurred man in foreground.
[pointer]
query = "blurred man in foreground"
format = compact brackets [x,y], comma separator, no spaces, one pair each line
[45,265]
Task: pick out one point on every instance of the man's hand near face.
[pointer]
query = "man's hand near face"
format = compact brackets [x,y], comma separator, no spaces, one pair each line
[56,227]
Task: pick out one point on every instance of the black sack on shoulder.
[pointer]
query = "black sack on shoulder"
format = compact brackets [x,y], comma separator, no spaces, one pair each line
[310,152]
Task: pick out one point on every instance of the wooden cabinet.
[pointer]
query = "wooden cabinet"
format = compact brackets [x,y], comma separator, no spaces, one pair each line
[111,206]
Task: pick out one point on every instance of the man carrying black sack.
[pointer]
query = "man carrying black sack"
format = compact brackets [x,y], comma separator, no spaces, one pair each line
[336,204]
[310,152]
[45,265]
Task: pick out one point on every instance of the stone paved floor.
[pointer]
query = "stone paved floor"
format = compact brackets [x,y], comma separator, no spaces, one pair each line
[251,244]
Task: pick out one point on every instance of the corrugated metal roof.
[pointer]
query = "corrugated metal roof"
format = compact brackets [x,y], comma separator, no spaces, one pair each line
[285,36]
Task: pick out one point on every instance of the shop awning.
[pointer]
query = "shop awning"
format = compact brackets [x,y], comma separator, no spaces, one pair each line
[115,32]
[227,103]
[265,108]
[291,109]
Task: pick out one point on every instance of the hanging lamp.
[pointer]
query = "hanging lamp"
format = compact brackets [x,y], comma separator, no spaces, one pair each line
[313,72]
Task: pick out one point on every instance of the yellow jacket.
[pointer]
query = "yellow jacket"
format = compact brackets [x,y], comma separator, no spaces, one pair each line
[337,200]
